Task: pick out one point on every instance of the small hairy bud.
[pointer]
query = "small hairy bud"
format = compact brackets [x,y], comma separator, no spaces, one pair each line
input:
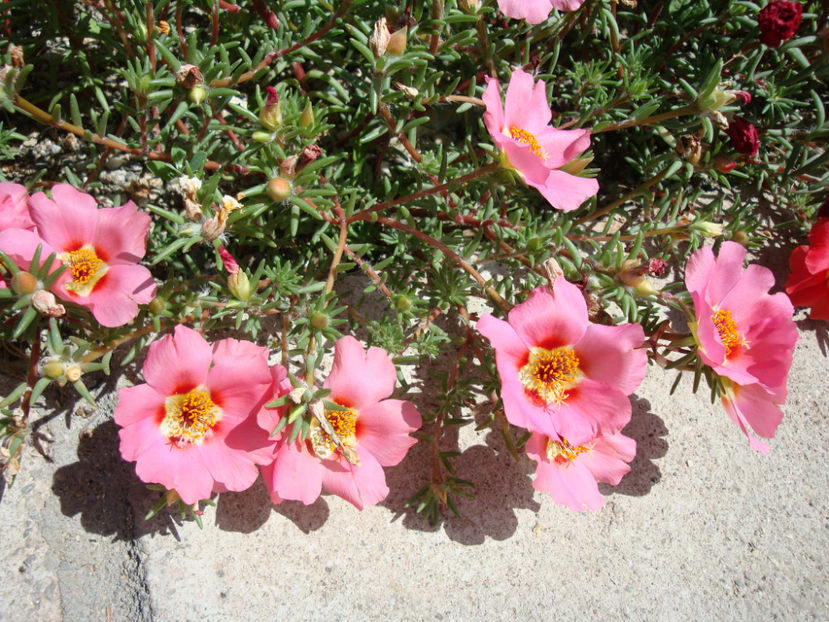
[24,283]
[398,41]
[402,303]
[52,368]
[239,285]
[74,373]
[319,320]
[157,305]
[307,117]
[189,76]
[197,94]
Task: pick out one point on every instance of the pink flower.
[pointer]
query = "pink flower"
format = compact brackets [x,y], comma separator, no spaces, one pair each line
[192,427]
[756,407]
[744,333]
[561,375]
[534,149]
[375,433]
[14,207]
[100,248]
[535,11]
[570,473]
[808,283]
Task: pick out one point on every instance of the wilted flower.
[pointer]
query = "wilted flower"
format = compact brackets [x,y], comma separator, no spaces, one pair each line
[271,114]
[379,39]
[192,427]
[743,136]
[537,151]
[373,432]
[562,375]
[46,304]
[778,21]
[188,76]
[808,283]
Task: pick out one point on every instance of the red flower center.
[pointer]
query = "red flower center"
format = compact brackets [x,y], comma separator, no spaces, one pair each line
[727,329]
[190,416]
[549,373]
[561,451]
[527,138]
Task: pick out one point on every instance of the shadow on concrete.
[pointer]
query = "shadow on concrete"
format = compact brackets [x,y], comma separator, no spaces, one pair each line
[648,431]
[821,330]
[307,518]
[244,511]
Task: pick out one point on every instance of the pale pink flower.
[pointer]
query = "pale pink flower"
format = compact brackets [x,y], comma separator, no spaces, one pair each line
[536,11]
[570,473]
[562,375]
[192,427]
[756,407]
[533,148]
[14,207]
[744,333]
[374,430]
[101,249]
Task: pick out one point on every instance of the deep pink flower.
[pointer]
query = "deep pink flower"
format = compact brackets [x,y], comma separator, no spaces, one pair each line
[536,11]
[374,429]
[808,283]
[756,407]
[778,21]
[570,473]
[100,247]
[744,333]
[743,136]
[533,148]
[14,207]
[192,427]
[561,375]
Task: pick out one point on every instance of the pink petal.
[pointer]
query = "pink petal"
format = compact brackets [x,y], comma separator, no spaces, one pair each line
[525,104]
[121,235]
[138,403]
[179,469]
[359,378]
[494,115]
[138,436]
[251,441]
[565,191]
[608,459]
[549,321]
[383,430]
[297,475]
[567,5]
[561,146]
[608,354]
[177,363]
[267,477]
[230,467]
[268,418]
[359,485]
[755,407]
[114,300]
[753,284]
[570,484]
[503,338]
[534,11]
[520,411]
[592,408]
[529,165]
[240,378]
[20,245]
[66,223]
[14,207]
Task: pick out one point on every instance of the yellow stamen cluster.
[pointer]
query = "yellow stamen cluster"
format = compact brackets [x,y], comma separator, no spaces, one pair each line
[84,264]
[727,329]
[549,373]
[527,138]
[344,424]
[562,451]
[190,416]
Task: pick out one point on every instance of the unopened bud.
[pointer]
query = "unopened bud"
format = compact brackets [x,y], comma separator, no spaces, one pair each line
[157,305]
[278,189]
[271,114]
[53,368]
[379,39]
[397,41]
[197,94]
[307,117]
[577,165]
[319,320]
[288,166]
[73,373]
[212,229]
[239,285]
[552,270]
[740,237]
[189,76]
[24,283]
[707,229]
[402,303]
[632,274]
[230,263]
[46,304]
[470,6]
[689,147]
[262,137]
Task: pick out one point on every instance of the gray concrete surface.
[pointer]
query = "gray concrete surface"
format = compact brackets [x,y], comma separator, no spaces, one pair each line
[702,528]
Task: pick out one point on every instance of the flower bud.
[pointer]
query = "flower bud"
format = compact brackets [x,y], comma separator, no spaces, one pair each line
[307,117]
[239,285]
[262,137]
[577,165]
[73,373]
[379,39]
[197,94]
[631,274]
[212,229]
[397,41]
[52,368]
[740,237]
[470,6]
[271,114]
[318,320]
[24,283]
[189,76]
[402,303]
[278,189]
[707,229]
[157,305]
[46,304]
